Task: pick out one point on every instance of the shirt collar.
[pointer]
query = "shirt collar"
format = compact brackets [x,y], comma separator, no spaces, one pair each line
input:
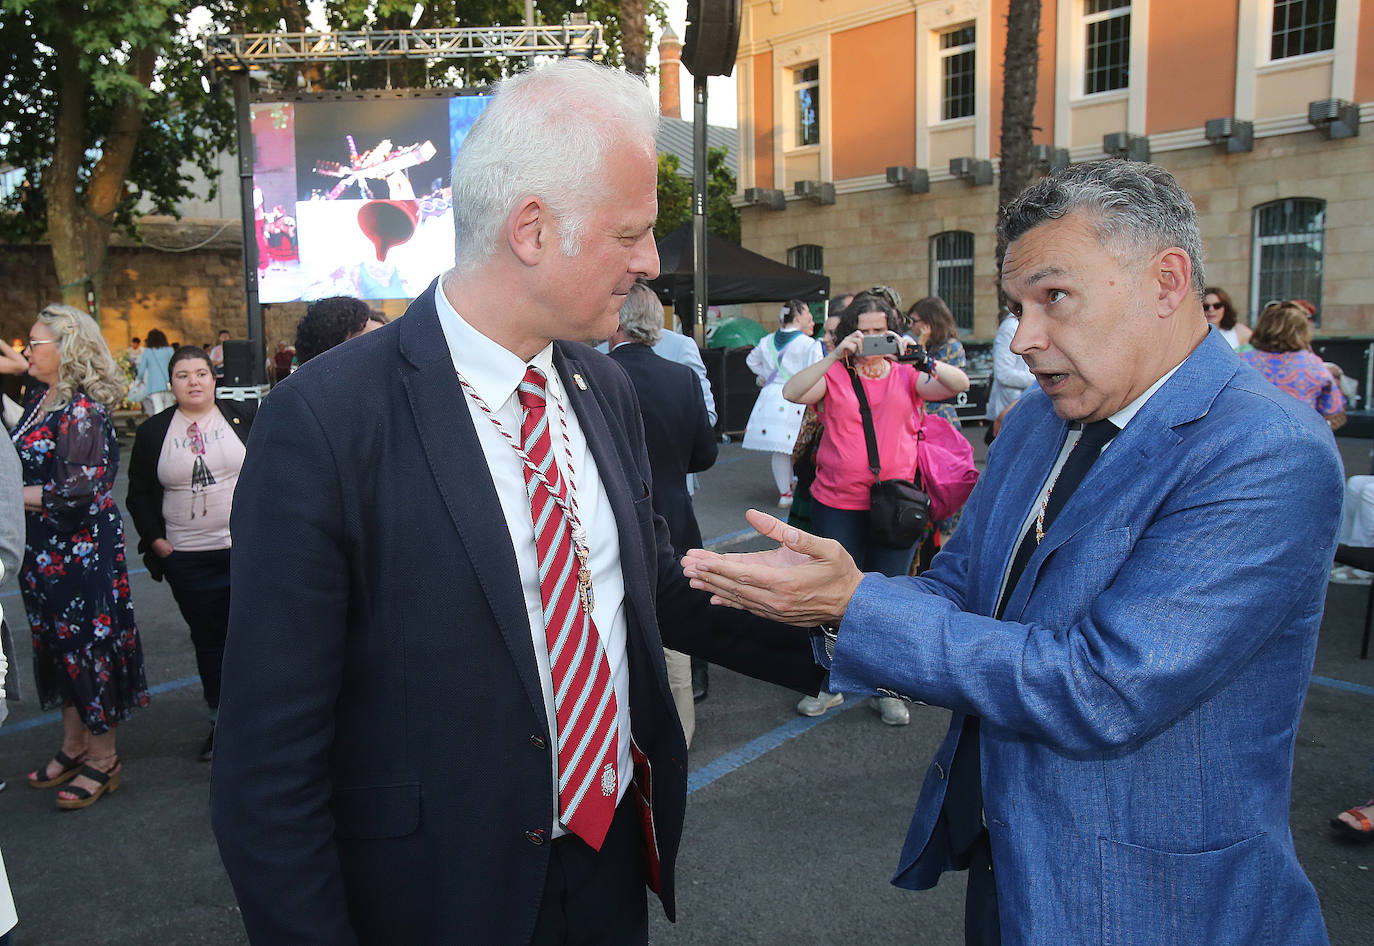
[493,372]
[1123,417]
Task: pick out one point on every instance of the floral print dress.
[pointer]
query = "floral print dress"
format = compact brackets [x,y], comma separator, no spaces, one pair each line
[74,579]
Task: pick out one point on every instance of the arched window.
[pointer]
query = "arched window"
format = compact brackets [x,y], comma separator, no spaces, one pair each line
[1287,251]
[951,274]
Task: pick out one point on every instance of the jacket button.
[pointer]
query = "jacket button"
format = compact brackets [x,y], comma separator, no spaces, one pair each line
[538,742]
[535,837]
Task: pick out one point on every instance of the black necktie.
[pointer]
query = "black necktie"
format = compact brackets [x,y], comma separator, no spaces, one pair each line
[1084,454]
[964,794]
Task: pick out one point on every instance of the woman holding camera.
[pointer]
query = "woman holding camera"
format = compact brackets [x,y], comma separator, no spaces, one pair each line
[895,391]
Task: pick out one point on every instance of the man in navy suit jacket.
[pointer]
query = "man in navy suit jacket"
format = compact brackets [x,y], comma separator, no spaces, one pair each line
[1127,709]
[679,437]
[386,766]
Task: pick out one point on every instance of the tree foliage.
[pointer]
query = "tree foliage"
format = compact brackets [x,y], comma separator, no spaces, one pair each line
[675,196]
[106,111]
[103,107]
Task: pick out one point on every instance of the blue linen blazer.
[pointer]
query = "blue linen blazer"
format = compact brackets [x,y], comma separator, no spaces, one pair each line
[1140,700]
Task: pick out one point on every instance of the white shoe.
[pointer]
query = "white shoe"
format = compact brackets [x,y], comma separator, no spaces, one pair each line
[818,704]
[785,500]
[1346,575]
[892,710]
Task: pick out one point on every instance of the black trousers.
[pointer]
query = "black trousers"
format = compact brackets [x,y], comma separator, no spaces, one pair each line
[597,898]
[200,585]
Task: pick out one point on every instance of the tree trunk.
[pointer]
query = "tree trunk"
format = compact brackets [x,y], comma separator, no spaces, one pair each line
[1020,72]
[80,231]
[634,36]
[60,178]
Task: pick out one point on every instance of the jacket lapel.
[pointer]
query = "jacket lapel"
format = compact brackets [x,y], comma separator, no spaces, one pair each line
[456,462]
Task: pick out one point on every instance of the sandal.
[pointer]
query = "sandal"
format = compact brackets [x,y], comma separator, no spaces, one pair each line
[1365,832]
[108,782]
[70,767]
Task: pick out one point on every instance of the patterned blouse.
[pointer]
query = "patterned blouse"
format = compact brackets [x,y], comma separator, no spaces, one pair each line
[1301,374]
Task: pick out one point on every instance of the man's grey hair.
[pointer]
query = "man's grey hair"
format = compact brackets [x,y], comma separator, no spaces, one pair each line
[1137,210]
[641,316]
[547,133]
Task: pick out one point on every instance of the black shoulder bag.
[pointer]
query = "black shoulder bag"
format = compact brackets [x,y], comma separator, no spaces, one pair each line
[898,510]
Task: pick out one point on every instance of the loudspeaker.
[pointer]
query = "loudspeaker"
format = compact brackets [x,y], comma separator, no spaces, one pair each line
[238,363]
[712,37]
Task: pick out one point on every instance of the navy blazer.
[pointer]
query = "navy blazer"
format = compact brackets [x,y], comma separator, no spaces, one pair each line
[382,769]
[677,434]
[1140,701]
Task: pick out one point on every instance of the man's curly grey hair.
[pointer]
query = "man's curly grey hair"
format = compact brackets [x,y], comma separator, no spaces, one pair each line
[85,361]
[1137,210]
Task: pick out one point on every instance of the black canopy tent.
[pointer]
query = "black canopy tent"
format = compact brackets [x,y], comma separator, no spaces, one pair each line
[734,275]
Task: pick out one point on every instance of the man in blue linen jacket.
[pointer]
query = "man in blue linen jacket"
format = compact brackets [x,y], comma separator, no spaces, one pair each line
[387,760]
[1138,699]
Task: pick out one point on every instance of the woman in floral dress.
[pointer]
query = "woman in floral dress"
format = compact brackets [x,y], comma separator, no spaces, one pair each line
[74,580]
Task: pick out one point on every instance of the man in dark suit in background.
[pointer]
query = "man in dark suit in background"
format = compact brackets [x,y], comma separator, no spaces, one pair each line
[680,440]
[445,714]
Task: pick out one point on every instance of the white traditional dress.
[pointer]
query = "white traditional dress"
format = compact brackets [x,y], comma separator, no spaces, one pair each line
[775,421]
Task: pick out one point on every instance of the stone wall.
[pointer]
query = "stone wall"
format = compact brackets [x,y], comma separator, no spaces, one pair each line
[189,295]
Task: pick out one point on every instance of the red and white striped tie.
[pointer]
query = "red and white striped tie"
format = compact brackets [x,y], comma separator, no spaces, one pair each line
[584,698]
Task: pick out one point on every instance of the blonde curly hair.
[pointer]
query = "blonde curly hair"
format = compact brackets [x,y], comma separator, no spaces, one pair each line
[85,360]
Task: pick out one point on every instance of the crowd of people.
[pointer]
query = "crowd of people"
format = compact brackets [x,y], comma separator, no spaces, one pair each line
[1101,678]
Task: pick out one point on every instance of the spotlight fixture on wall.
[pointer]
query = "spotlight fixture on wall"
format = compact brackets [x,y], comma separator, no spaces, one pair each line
[1233,134]
[1049,157]
[974,171]
[913,180]
[1128,147]
[1334,118]
[765,197]
[815,190]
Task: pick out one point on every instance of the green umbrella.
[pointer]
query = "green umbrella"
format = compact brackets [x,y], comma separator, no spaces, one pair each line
[734,333]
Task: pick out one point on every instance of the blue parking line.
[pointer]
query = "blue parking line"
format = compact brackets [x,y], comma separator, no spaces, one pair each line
[1343,685]
[728,537]
[764,744]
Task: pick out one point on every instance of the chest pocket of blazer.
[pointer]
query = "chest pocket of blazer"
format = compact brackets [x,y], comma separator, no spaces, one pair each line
[376,811]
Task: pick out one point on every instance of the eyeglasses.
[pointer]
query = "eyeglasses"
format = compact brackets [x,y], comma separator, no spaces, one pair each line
[1212,305]
[42,341]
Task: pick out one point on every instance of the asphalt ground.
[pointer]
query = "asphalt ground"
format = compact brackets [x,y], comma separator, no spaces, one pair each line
[793,824]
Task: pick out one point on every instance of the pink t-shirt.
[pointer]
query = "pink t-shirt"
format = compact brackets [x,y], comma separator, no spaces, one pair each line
[842,473]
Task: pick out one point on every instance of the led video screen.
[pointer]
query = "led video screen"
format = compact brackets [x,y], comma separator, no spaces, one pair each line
[352,197]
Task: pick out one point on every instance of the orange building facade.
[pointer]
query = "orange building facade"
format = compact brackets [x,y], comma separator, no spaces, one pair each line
[842,103]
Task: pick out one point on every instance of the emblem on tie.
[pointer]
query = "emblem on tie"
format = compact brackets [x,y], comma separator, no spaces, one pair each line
[608,780]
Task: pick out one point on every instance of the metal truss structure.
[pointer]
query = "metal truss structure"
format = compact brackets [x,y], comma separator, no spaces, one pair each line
[240,50]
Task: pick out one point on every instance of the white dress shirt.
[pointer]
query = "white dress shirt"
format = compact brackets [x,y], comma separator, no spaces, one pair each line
[494,373]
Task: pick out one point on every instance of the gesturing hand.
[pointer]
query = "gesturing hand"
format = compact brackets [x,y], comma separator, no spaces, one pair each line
[806,581]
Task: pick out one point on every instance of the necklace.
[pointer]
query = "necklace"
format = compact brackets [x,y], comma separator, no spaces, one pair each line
[29,422]
[568,504]
[874,371]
